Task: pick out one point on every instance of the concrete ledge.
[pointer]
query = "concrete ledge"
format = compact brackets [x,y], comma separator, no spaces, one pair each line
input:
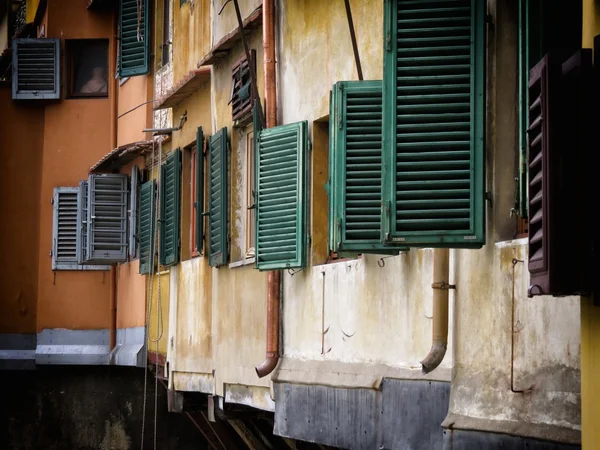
[130,346]
[466,440]
[17,351]
[79,347]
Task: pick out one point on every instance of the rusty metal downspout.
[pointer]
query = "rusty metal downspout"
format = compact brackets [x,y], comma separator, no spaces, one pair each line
[441,273]
[113,137]
[273,277]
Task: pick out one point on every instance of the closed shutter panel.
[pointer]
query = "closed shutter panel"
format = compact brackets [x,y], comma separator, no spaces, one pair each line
[134,44]
[199,205]
[170,193]
[107,218]
[36,69]
[281,232]
[147,226]
[357,151]
[217,200]
[133,212]
[64,254]
[434,109]
[82,200]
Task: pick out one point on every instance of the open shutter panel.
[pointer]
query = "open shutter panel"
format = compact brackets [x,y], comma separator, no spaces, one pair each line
[147,226]
[357,153]
[281,232]
[170,192]
[434,110]
[217,200]
[64,253]
[107,218]
[82,200]
[133,212]
[199,205]
[134,44]
[36,69]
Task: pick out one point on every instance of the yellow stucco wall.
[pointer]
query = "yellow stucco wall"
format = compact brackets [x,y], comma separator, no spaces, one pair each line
[590,315]
[191,27]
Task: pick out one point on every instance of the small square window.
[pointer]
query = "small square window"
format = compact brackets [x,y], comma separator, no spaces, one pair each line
[241,97]
[87,68]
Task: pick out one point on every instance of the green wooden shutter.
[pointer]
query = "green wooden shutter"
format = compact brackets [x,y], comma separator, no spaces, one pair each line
[133,212]
[107,218]
[281,232]
[170,202]
[217,200]
[433,118]
[199,205]
[147,226]
[134,42]
[355,132]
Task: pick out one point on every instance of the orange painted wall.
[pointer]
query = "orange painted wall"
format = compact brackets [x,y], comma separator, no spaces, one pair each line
[21,140]
[134,92]
[77,134]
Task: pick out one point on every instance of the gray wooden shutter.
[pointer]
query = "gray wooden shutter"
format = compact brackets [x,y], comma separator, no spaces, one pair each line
[64,248]
[134,42]
[355,169]
[218,238]
[199,205]
[433,121]
[133,212]
[147,226]
[281,200]
[107,218]
[170,209]
[36,69]
[82,200]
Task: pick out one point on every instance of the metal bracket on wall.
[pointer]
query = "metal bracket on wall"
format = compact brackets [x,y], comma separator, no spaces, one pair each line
[443,285]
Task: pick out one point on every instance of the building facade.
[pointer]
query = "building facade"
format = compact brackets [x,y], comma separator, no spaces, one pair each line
[321,213]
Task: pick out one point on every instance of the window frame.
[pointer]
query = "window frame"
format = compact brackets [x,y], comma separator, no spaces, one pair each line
[77,46]
[194,253]
[250,213]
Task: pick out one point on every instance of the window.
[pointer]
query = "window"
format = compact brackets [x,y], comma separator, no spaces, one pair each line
[36,69]
[242,96]
[433,125]
[87,68]
[166,41]
[250,195]
[281,197]
[134,39]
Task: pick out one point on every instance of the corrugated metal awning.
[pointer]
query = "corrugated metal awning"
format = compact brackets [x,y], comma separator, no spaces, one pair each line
[182,90]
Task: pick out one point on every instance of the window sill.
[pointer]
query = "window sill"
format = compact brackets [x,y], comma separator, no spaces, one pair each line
[243,262]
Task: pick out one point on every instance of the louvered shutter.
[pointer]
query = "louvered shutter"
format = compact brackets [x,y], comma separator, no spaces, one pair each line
[281,231]
[134,42]
[147,226]
[64,248]
[133,212]
[107,218]
[170,200]
[82,200]
[356,150]
[217,200]
[199,205]
[433,120]
[36,69]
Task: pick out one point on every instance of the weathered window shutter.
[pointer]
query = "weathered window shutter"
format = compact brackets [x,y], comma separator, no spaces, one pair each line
[199,205]
[36,69]
[170,201]
[147,226]
[355,168]
[133,212]
[82,201]
[64,248]
[433,121]
[134,42]
[217,200]
[281,200]
[107,218]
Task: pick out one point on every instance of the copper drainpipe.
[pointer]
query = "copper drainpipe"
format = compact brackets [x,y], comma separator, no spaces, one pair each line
[113,132]
[441,273]
[273,277]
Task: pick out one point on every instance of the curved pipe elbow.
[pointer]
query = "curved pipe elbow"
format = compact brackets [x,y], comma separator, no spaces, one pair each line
[435,357]
[267,366]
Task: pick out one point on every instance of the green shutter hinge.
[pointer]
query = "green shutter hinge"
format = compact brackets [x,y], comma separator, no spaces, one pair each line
[385,221]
